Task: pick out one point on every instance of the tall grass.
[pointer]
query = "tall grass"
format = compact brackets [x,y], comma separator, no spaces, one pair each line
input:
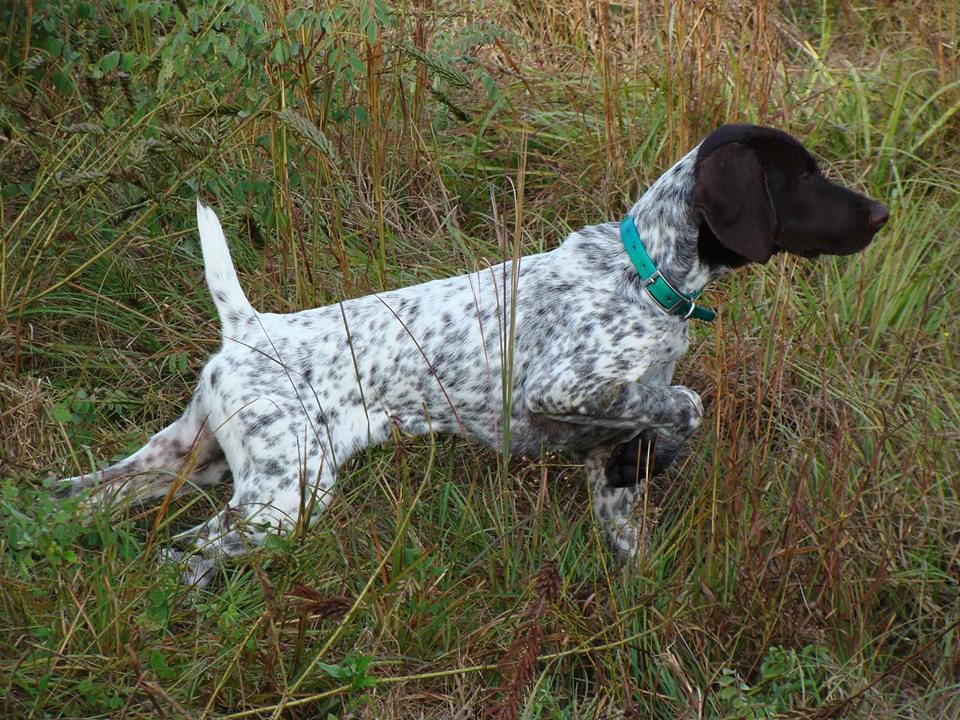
[805,559]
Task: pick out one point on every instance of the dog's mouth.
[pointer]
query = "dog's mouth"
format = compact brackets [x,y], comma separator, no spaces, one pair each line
[854,243]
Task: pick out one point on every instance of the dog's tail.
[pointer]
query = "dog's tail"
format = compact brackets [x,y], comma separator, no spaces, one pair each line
[232,305]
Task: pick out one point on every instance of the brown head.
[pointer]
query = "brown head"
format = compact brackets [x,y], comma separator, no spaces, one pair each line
[759,192]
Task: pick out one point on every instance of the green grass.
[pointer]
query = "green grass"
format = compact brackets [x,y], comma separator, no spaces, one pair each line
[806,557]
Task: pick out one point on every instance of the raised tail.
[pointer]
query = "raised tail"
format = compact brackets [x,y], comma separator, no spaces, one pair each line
[232,305]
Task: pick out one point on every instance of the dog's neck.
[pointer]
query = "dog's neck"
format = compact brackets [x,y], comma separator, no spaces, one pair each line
[669,228]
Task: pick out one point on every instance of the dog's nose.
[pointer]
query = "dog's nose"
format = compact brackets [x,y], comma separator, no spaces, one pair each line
[878,216]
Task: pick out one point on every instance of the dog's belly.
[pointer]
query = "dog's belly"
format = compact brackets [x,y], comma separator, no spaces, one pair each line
[542,434]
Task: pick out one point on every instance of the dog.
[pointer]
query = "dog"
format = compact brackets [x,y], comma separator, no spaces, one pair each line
[570,350]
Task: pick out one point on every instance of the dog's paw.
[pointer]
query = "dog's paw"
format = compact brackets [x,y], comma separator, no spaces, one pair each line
[195,570]
[64,488]
[629,540]
[689,419]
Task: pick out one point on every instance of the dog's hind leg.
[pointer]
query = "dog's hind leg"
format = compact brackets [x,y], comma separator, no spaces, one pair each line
[186,446]
[268,497]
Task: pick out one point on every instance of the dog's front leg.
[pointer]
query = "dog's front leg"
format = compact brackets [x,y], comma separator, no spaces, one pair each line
[665,418]
[614,403]
[617,510]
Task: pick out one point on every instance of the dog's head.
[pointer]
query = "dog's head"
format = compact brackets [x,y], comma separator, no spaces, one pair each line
[758,192]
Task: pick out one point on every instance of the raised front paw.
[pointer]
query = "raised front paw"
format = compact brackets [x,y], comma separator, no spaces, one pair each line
[689,416]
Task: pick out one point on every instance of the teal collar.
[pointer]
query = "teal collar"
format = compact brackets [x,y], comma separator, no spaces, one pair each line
[670,299]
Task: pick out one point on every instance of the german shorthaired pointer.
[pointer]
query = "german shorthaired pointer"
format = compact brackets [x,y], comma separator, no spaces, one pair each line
[570,350]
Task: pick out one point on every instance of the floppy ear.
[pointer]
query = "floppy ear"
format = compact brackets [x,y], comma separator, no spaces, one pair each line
[730,192]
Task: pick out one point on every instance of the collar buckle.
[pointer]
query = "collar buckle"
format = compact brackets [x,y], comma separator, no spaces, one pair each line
[653,281]
[653,278]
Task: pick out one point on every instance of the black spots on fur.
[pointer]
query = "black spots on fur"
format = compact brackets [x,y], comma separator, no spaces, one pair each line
[173,447]
[214,378]
[265,421]
[327,417]
[586,364]
[271,439]
[272,469]
[263,363]
[221,296]
[379,379]
[247,469]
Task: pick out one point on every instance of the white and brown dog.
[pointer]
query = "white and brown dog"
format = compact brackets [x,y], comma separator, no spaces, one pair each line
[574,354]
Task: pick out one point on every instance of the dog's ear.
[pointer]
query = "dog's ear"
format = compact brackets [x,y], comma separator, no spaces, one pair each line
[730,193]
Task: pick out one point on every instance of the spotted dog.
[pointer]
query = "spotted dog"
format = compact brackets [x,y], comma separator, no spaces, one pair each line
[593,330]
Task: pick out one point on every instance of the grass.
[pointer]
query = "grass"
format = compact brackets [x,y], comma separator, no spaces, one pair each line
[806,558]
